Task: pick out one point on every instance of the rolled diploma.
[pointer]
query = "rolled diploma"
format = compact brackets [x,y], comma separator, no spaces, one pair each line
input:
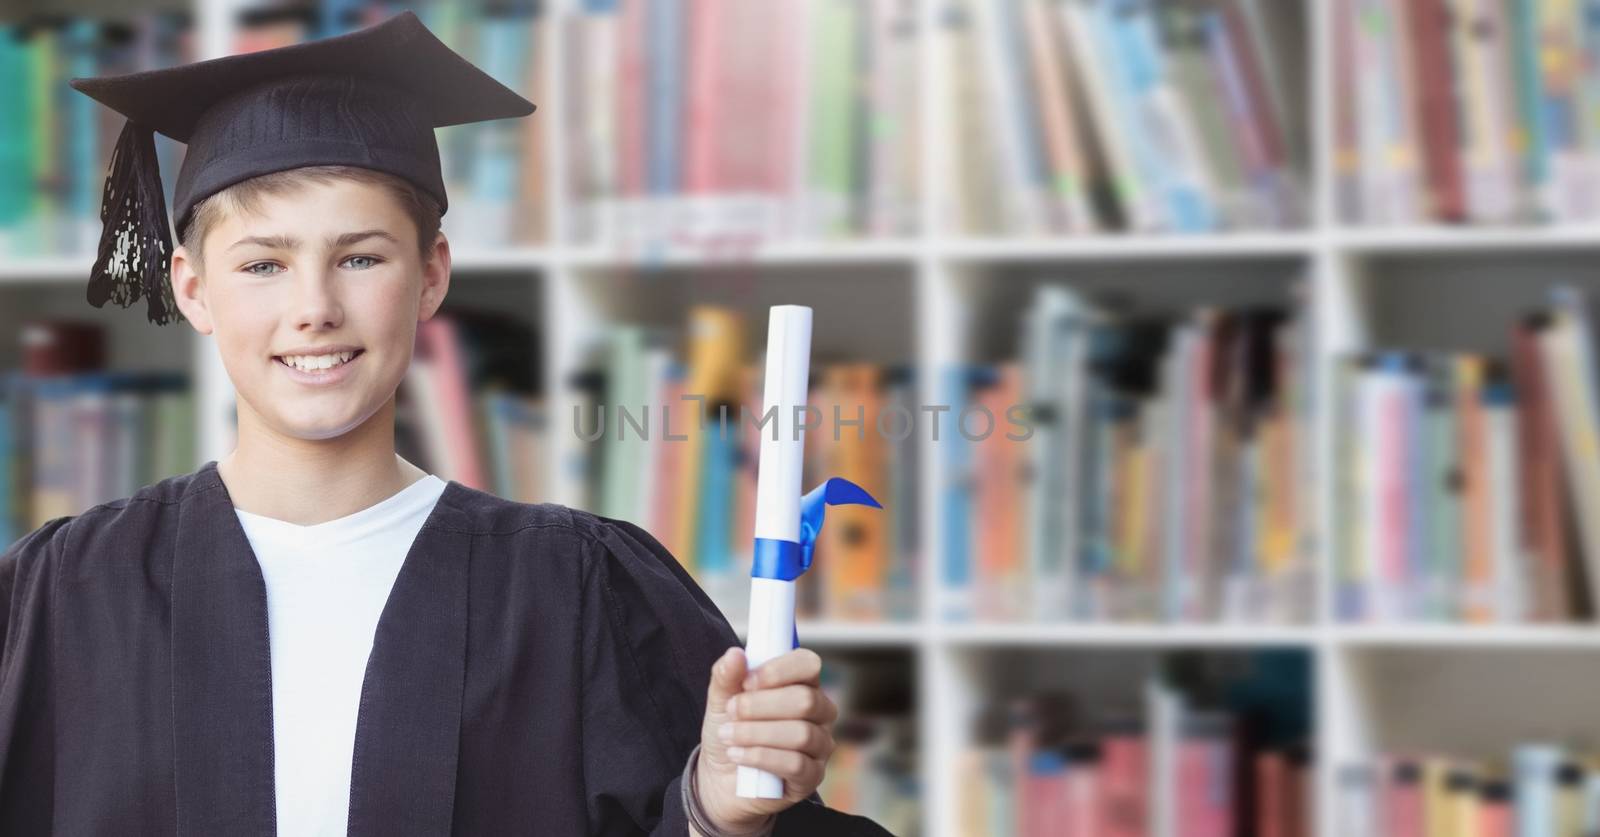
[771,631]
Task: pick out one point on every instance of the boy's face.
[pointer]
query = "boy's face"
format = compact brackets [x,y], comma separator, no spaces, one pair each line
[327,265]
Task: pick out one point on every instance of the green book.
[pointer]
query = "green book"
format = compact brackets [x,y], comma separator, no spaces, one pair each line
[833,115]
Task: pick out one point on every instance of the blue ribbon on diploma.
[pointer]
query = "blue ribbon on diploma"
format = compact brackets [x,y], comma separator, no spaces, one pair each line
[788,560]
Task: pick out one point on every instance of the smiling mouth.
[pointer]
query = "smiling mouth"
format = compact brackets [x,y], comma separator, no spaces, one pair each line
[279,359]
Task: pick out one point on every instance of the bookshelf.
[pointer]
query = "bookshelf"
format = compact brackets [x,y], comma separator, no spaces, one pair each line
[940,298]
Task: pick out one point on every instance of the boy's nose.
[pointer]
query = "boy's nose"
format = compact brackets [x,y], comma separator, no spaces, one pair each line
[316,301]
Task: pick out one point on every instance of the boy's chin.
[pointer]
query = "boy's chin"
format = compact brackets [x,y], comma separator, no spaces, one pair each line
[312,429]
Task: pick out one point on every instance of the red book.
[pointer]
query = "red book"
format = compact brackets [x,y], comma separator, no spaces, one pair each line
[1083,801]
[1436,107]
[630,100]
[790,24]
[1267,125]
[677,418]
[744,84]
[1544,508]
[455,405]
[1400,799]
[1045,789]
[1394,508]
[1123,783]
[61,347]
[999,460]
[1300,798]
[705,51]
[1494,811]
[1271,776]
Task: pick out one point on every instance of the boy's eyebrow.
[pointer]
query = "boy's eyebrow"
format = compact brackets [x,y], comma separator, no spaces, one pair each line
[285,242]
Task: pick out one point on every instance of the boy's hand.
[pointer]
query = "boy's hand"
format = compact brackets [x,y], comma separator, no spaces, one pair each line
[776,719]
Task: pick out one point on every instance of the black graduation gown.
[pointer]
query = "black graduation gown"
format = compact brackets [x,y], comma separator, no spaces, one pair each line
[536,670]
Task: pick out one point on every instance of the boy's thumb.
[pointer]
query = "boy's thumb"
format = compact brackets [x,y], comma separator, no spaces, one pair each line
[727,679]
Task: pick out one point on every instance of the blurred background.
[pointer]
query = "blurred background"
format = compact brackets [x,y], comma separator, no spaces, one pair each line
[1293,294]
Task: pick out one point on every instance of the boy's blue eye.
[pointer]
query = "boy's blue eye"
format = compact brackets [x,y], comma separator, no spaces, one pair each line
[251,268]
[374,262]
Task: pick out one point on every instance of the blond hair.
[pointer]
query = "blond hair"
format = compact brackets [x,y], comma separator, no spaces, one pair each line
[245,196]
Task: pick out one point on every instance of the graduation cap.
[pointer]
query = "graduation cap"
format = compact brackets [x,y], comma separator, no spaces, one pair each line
[368,98]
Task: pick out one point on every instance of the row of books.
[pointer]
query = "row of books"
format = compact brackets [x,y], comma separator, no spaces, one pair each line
[70,442]
[685,470]
[1541,790]
[1466,111]
[1178,767]
[1463,479]
[720,123]
[55,143]
[494,171]
[1074,116]
[1166,474]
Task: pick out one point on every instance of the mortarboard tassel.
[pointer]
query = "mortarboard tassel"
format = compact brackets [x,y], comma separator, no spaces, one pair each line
[135,235]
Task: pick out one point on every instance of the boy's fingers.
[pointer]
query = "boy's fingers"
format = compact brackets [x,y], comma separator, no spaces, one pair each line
[726,675]
[804,703]
[790,765]
[804,736]
[802,665]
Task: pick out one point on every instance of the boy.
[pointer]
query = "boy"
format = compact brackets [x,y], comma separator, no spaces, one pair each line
[312,635]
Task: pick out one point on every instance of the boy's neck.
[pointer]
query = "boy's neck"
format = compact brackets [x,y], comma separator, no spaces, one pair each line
[310,482]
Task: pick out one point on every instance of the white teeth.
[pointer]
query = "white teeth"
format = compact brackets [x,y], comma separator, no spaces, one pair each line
[312,363]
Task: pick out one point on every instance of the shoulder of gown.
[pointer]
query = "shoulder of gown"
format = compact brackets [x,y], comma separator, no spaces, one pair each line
[28,569]
[32,567]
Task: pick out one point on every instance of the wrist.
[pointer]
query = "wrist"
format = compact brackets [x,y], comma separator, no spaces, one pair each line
[704,824]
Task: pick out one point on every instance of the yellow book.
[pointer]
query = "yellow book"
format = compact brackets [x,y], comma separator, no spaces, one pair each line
[1461,802]
[854,539]
[1276,524]
[1437,813]
[715,352]
[1570,779]
[1477,567]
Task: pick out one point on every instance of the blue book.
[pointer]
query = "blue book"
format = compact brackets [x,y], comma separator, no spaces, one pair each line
[503,42]
[1020,78]
[16,183]
[1534,769]
[1123,76]
[664,62]
[1191,208]
[713,532]
[956,501]
[83,170]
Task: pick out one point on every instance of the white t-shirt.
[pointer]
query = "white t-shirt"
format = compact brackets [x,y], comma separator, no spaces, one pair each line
[326,587]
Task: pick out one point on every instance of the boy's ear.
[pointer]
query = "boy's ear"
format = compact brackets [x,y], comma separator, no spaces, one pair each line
[188,291]
[435,278]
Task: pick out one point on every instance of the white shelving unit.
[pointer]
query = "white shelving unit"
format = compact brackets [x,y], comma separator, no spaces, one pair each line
[1376,687]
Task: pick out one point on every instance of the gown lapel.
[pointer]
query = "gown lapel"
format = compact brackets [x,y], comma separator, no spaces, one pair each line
[407,729]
